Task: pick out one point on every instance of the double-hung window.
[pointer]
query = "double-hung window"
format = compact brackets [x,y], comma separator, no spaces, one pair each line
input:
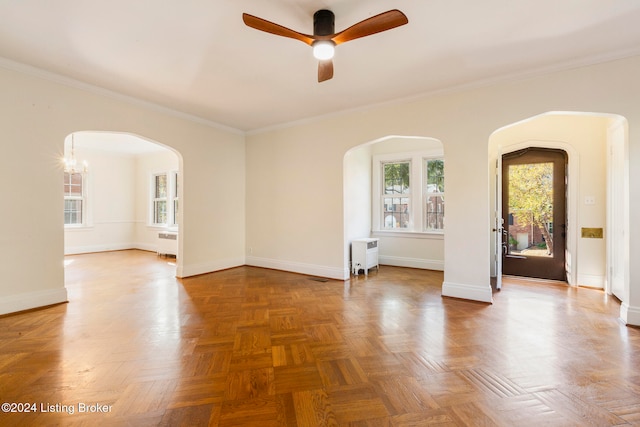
[174,193]
[164,199]
[408,193]
[160,199]
[74,198]
[396,194]
[434,194]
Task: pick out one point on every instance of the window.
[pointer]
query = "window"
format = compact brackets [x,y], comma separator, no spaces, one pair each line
[74,198]
[174,217]
[164,206]
[160,199]
[408,192]
[434,194]
[396,197]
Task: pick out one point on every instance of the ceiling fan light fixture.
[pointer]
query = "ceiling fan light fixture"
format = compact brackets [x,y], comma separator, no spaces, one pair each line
[323,49]
[324,38]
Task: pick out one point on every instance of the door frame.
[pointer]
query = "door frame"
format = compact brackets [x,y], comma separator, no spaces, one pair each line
[617,236]
[554,267]
[571,243]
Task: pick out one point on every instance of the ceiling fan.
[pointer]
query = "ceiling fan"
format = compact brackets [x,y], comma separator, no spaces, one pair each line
[324,38]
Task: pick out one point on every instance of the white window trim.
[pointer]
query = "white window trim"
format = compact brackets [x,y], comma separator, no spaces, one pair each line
[426,195]
[175,198]
[409,196]
[86,209]
[418,216]
[154,199]
[432,234]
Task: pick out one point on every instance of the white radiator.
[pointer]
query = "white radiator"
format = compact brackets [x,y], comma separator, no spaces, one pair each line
[168,243]
[364,255]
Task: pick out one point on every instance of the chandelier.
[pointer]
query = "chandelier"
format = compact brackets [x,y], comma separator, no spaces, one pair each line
[70,164]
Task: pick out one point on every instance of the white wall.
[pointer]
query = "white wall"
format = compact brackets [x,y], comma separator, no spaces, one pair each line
[357,196]
[305,160]
[296,203]
[37,112]
[110,216]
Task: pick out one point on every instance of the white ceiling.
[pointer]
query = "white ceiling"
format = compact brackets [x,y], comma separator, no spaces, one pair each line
[197,57]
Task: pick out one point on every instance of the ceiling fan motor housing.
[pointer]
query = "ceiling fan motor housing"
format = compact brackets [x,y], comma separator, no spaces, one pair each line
[323,23]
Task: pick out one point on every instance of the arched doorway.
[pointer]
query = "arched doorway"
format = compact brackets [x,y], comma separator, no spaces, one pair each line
[118,205]
[410,227]
[588,139]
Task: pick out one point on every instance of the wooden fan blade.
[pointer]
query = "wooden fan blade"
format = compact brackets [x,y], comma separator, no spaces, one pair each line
[325,70]
[376,24]
[278,30]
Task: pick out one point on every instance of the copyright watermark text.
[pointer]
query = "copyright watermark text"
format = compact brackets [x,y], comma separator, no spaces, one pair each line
[80,408]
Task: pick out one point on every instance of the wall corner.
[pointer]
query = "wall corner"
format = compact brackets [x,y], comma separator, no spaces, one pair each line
[630,315]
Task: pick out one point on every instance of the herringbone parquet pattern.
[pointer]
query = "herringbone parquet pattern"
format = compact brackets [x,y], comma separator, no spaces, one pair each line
[250,346]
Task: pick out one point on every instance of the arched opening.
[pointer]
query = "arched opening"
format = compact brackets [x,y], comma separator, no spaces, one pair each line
[597,192]
[407,221]
[124,193]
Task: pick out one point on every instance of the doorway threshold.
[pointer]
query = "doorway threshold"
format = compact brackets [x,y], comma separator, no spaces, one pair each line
[525,279]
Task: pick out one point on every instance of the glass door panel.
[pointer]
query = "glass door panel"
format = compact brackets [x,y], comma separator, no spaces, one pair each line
[534,213]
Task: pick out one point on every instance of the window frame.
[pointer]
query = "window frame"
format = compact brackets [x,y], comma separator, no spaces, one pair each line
[82,198]
[418,194]
[171,200]
[427,194]
[402,195]
[175,212]
[156,200]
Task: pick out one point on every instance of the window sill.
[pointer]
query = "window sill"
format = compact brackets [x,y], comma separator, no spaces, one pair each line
[78,227]
[435,235]
[160,227]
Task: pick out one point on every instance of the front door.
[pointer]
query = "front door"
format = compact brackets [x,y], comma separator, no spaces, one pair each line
[534,213]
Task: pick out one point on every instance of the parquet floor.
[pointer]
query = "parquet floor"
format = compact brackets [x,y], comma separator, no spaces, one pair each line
[256,347]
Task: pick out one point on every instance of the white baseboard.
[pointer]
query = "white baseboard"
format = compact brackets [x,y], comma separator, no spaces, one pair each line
[29,300]
[207,267]
[591,281]
[76,250]
[151,247]
[470,292]
[425,264]
[630,315]
[298,267]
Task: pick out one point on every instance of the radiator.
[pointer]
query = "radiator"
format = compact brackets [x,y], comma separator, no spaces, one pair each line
[167,243]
